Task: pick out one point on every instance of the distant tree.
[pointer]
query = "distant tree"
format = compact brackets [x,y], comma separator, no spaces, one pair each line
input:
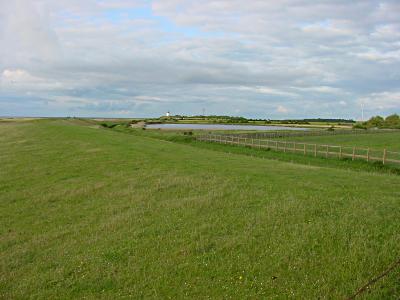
[359,126]
[392,121]
[376,121]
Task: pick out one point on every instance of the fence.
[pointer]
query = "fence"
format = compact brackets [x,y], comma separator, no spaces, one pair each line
[297,133]
[317,150]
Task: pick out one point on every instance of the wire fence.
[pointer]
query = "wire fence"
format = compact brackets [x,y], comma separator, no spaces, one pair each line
[317,150]
[299,133]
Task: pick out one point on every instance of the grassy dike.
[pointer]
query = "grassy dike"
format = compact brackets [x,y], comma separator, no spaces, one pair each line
[94,213]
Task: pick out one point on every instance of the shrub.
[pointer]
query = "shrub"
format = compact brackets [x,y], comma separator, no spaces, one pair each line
[359,126]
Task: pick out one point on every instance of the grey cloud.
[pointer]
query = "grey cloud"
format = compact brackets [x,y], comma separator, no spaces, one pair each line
[300,56]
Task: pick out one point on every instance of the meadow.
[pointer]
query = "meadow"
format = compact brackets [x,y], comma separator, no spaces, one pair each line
[390,140]
[93,212]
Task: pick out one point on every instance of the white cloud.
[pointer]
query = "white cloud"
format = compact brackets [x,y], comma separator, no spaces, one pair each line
[22,80]
[148,99]
[321,89]
[282,109]
[267,90]
[385,57]
[381,101]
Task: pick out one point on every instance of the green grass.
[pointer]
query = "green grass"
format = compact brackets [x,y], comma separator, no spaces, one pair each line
[390,141]
[309,159]
[96,213]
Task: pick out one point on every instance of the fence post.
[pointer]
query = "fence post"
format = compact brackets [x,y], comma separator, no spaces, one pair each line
[284,146]
[354,153]
[384,156]
[340,152]
[368,155]
[276,145]
[315,150]
[304,146]
[327,151]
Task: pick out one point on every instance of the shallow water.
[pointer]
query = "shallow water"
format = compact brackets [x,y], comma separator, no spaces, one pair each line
[220,127]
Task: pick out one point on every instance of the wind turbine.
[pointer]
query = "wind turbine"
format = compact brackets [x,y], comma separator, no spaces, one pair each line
[362,111]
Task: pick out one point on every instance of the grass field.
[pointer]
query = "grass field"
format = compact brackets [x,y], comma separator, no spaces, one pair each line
[390,141]
[98,213]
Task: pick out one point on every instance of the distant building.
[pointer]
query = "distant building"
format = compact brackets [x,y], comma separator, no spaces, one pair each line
[168,114]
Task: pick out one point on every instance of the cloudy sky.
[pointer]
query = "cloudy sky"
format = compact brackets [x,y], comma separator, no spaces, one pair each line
[259,58]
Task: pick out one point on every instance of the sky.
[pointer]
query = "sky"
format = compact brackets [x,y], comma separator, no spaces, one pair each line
[259,59]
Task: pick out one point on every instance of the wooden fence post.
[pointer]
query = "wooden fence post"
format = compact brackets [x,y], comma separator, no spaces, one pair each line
[315,150]
[284,146]
[354,153]
[384,156]
[327,151]
[304,146]
[340,152]
[368,154]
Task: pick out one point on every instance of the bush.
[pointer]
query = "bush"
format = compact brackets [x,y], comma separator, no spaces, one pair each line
[109,125]
[359,126]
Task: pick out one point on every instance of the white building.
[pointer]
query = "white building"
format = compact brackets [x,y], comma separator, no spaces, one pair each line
[167,114]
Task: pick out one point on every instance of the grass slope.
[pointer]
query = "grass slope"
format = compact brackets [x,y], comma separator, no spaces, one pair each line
[390,141]
[94,213]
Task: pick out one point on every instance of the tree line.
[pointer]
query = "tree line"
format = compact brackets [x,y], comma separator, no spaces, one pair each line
[390,122]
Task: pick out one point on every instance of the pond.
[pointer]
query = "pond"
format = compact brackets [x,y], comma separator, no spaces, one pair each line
[220,127]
